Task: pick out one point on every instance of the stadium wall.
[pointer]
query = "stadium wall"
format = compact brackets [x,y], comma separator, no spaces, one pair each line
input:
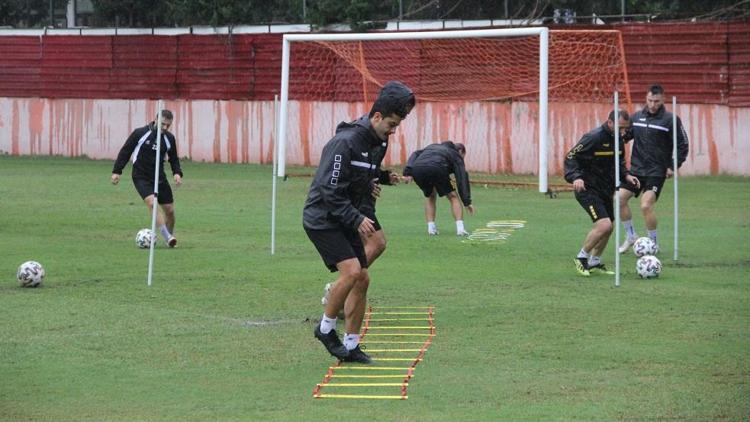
[82,93]
[501,137]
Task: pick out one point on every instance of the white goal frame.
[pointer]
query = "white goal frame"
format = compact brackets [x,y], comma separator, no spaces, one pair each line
[542,32]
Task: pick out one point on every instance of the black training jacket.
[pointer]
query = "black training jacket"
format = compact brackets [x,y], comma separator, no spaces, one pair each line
[377,154]
[652,148]
[343,181]
[592,159]
[141,145]
[445,157]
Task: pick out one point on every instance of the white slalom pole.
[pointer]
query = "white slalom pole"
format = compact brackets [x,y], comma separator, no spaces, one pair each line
[617,188]
[674,166]
[543,110]
[284,109]
[159,108]
[275,164]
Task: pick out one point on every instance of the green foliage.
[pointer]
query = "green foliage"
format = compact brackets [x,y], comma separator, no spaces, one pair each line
[28,13]
[225,331]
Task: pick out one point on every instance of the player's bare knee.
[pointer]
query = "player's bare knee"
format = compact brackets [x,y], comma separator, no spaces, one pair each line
[603,226]
[379,245]
[363,282]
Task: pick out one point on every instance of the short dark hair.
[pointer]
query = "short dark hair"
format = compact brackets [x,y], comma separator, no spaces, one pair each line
[623,115]
[461,148]
[166,114]
[394,98]
[656,89]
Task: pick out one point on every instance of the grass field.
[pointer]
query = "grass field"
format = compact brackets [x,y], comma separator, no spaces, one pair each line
[225,332]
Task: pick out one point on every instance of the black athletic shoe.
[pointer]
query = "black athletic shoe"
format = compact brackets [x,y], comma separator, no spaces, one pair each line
[357,355]
[332,343]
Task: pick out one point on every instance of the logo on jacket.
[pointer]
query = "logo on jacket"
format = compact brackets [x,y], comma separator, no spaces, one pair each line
[365,154]
[336,169]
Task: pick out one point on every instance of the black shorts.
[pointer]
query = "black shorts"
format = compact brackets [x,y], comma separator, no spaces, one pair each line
[597,205]
[335,246]
[651,183]
[429,178]
[145,187]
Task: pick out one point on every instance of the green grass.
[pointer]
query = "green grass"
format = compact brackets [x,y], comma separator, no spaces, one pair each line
[225,332]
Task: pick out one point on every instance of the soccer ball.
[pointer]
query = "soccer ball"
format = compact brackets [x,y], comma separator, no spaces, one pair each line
[144,237]
[644,246]
[648,266]
[30,274]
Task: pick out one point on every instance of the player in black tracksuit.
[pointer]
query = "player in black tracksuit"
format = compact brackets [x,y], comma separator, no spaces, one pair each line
[651,162]
[375,244]
[431,168]
[141,145]
[590,167]
[335,215]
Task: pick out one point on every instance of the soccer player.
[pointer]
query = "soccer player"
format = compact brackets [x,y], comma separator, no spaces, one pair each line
[141,145]
[335,223]
[376,243]
[590,167]
[431,168]
[651,162]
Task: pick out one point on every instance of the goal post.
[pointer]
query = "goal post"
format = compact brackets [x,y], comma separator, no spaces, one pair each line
[467,83]
[541,32]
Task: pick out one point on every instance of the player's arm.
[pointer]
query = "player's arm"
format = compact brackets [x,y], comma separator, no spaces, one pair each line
[174,161]
[387,177]
[124,155]
[625,175]
[462,178]
[682,144]
[576,161]
[335,175]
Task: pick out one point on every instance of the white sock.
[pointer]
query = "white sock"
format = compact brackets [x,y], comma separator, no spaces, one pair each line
[327,324]
[594,260]
[351,341]
[653,236]
[165,232]
[431,227]
[460,226]
[629,229]
[583,254]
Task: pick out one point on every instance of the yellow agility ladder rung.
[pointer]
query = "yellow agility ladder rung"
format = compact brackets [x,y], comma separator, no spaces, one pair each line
[390,342]
[398,319]
[372,376]
[393,350]
[371,368]
[402,334]
[403,307]
[398,313]
[399,359]
[353,396]
[400,327]
[366,384]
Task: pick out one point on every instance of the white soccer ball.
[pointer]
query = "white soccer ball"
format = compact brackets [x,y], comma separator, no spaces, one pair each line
[648,266]
[644,246]
[30,274]
[144,237]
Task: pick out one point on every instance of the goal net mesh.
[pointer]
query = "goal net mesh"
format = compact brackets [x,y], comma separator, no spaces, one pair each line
[584,66]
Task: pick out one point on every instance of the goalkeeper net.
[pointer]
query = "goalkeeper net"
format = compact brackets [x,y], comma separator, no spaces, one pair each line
[584,66]
[328,78]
